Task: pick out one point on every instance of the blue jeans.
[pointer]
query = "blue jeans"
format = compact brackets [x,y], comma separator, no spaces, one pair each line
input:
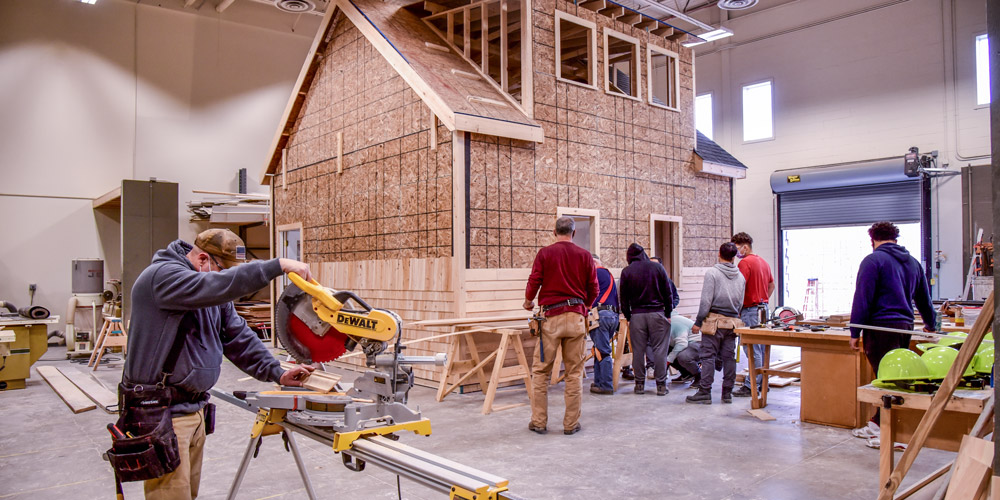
[607,325]
[751,316]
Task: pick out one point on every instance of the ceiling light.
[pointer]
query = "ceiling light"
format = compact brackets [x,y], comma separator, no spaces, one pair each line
[709,36]
[89,2]
[713,35]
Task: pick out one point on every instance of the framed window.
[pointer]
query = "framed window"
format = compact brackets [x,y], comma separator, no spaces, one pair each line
[982,70]
[703,114]
[666,233]
[576,50]
[758,122]
[621,64]
[664,84]
[588,227]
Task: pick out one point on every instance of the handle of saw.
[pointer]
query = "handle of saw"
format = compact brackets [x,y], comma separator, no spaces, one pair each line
[313,288]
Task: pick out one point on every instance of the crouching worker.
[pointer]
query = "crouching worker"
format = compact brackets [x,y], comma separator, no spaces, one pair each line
[718,318]
[684,349]
[183,323]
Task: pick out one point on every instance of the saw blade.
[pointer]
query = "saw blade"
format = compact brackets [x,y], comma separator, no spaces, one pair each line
[296,335]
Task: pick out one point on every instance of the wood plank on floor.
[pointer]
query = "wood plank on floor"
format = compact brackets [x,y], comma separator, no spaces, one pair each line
[107,400]
[69,393]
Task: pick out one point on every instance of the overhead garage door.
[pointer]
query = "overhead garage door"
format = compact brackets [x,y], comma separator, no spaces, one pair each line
[850,205]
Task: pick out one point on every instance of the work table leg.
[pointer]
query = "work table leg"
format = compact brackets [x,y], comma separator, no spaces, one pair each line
[886,441]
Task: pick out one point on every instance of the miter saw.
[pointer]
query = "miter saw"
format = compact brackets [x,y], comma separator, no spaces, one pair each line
[316,324]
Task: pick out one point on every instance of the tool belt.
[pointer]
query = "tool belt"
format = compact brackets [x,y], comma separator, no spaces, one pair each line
[715,321]
[143,444]
[568,302]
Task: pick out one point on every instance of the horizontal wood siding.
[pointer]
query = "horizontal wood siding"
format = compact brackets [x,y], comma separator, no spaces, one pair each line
[415,289]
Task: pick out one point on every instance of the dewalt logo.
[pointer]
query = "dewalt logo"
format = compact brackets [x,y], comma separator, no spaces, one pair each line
[355,321]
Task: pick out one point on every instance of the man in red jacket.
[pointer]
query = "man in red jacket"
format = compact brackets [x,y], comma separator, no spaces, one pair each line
[566,275]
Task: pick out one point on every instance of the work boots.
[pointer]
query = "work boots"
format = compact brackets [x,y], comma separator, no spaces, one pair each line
[702,397]
[661,389]
[640,387]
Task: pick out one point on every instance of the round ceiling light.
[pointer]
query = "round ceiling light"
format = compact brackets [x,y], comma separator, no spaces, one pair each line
[295,6]
[736,4]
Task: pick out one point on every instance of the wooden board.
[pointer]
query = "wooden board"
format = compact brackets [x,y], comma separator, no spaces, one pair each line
[972,466]
[107,400]
[69,393]
[761,414]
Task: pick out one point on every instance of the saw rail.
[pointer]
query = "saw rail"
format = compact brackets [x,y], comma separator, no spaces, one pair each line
[458,481]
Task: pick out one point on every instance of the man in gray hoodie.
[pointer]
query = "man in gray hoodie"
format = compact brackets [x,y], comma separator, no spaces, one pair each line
[186,294]
[722,294]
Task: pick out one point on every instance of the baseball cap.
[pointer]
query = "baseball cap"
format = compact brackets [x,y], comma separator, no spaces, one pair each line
[224,245]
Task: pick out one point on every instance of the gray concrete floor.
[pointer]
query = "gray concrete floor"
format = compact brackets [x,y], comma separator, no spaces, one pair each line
[631,447]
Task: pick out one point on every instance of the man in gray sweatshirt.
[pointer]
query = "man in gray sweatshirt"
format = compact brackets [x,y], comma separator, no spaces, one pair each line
[186,294]
[722,294]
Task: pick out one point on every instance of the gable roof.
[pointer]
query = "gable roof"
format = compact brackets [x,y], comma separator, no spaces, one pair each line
[716,160]
[450,86]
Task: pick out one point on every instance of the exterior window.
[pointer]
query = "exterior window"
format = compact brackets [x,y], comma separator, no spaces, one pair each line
[757,112]
[703,114]
[664,85]
[621,56]
[576,47]
[982,70]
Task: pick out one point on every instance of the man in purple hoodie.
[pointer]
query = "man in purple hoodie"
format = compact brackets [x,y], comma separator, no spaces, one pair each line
[889,281]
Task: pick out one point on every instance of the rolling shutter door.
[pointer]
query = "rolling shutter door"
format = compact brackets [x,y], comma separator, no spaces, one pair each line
[898,202]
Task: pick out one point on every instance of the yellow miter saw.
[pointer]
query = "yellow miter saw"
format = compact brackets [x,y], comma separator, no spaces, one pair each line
[316,324]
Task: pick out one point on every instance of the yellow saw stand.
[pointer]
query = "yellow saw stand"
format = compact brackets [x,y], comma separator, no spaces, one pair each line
[375,445]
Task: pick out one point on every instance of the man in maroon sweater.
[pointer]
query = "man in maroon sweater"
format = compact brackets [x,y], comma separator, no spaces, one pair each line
[566,275]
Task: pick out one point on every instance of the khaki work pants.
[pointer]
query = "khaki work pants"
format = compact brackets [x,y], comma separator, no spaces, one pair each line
[569,331]
[182,484]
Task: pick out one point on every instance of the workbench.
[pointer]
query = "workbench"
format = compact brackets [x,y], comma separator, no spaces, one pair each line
[900,417]
[31,341]
[831,372]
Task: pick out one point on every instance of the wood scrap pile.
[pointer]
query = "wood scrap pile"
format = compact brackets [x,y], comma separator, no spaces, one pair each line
[256,313]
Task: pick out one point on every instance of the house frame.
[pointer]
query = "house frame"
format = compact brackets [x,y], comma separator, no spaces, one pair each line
[427,149]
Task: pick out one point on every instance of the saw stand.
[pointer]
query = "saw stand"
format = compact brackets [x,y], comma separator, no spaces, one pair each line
[267,424]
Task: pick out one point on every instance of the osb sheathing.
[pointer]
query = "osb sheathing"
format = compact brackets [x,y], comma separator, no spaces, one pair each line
[626,158]
[394,197]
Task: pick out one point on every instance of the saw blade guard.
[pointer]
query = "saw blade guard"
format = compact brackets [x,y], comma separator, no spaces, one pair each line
[315,324]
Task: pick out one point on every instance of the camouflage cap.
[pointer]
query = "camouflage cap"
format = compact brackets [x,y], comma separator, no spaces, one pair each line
[224,245]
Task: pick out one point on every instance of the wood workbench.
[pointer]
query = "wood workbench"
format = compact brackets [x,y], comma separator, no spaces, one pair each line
[899,420]
[831,372]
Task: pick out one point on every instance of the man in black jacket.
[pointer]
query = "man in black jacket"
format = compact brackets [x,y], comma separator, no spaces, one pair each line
[674,300]
[646,303]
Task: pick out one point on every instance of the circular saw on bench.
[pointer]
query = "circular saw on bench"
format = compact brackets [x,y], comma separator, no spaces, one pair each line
[315,324]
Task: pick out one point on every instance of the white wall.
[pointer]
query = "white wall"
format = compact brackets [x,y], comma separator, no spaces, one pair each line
[853,80]
[92,94]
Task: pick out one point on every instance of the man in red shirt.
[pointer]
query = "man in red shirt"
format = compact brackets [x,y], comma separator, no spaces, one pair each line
[760,285]
[566,275]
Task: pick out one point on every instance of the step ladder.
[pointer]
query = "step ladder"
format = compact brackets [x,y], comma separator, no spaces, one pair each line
[112,335]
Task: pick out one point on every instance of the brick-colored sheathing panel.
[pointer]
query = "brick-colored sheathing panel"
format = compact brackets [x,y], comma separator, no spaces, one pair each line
[393,200]
[626,158]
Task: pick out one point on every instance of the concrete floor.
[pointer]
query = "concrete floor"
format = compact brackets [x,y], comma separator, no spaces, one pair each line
[631,447]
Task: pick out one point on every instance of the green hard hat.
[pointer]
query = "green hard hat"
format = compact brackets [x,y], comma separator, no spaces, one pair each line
[902,364]
[926,346]
[951,339]
[983,363]
[939,360]
[989,335]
